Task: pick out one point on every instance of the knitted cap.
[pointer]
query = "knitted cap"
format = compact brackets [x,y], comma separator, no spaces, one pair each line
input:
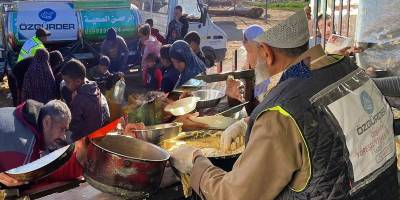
[291,33]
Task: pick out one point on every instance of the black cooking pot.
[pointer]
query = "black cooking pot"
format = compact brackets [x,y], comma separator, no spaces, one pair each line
[224,162]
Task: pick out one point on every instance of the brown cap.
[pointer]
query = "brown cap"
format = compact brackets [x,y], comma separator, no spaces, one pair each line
[40,32]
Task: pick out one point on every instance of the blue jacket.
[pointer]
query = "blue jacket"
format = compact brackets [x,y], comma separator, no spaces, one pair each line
[170,77]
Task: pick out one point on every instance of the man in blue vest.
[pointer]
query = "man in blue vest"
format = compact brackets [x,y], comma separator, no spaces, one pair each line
[32,45]
[323,131]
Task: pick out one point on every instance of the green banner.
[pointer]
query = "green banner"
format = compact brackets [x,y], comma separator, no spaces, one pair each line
[97,22]
[101,3]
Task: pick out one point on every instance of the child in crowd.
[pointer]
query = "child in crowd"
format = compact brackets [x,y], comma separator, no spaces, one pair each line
[155,32]
[102,76]
[169,73]
[149,43]
[85,102]
[193,39]
[152,74]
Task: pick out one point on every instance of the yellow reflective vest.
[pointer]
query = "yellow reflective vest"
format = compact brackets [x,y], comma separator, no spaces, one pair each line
[30,47]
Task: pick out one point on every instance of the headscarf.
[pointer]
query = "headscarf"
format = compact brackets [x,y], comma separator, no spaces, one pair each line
[111,34]
[39,82]
[56,59]
[181,51]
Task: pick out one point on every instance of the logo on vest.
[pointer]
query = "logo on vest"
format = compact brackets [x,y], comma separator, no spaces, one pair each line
[367,103]
[47,15]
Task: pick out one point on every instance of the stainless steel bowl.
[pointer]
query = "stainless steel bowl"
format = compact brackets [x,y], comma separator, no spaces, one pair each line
[208,98]
[156,134]
[182,106]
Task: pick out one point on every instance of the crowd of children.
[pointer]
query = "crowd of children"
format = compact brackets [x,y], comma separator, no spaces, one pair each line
[46,76]
[159,72]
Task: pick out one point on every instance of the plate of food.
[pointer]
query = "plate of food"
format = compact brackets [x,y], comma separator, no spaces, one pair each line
[209,144]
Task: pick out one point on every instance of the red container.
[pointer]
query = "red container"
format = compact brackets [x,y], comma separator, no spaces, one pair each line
[121,163]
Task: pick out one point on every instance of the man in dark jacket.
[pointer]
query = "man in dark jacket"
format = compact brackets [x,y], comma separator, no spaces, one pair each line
[85,102]
[178,27]
[114,46]
[32,128]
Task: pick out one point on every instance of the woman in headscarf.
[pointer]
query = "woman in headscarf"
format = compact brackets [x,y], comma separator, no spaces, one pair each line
[185,61]
[19,70]
[56,61]
[39,82]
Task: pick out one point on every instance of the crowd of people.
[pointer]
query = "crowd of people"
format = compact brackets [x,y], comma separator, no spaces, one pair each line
[302,148]
[184,49]
[59,102]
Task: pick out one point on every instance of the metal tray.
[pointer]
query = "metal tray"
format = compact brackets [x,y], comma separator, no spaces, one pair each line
[42,167]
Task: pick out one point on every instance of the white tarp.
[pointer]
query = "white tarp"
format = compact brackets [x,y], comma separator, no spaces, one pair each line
[378,21]
[57,17]
[378,24]
[383,56]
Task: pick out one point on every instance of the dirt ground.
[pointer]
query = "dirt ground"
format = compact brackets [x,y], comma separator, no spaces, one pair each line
[232,25]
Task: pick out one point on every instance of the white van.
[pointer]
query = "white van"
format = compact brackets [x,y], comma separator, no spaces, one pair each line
[213,38]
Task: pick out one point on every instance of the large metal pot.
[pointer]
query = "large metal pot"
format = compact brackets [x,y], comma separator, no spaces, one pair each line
[156,134]
[125,166]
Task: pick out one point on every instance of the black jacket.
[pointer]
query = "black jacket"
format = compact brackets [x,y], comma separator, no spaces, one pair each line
[180,28]
[306,100]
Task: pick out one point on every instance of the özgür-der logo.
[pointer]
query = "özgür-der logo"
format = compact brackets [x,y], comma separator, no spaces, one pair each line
[47,15]
[366,102]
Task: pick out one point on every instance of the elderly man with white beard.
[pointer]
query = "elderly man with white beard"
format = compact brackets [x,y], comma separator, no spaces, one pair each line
[302,141]
[254,62]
